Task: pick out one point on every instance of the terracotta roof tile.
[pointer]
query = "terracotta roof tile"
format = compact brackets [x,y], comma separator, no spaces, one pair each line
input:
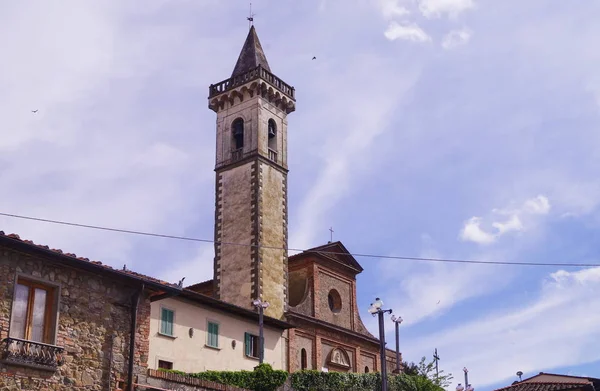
[542,386]
[59,252]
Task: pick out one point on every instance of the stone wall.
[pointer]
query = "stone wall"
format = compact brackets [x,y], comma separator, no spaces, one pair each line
[234,224]
[272,234]
[93,325]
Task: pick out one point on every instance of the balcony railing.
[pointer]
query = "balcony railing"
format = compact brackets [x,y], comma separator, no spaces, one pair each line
[253,74]
[272,155]
[33,354]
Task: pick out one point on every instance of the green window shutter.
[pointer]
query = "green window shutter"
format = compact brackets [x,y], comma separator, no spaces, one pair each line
[248,344]
[213,334]
[216,335]
[166,322]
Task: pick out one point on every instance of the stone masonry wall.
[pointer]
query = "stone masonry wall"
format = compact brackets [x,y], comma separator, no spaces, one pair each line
[93,326]
[273,235]
[233,266]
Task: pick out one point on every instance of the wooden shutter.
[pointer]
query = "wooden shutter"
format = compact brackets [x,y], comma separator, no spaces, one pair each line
[166,322]
[248,344]
[213,334]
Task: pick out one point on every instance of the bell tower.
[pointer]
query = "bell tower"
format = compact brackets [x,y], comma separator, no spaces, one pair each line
[251,212]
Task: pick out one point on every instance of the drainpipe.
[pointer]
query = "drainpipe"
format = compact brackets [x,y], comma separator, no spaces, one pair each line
[110,362]
[134,310]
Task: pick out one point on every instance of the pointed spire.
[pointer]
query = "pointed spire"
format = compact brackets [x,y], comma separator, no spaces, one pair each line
[251,56]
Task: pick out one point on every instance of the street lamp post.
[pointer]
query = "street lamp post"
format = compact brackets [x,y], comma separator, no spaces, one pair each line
[397,321]
[467,387]
[261,305]
[376,309]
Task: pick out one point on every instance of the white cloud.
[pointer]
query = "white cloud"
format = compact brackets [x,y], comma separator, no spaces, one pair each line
[527,337]
[456,38]
[512,224]
[392,8]
[406,31]
[538,205]
[437,8]
[472,231]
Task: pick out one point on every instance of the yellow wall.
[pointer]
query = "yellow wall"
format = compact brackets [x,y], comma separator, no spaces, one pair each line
[190,354]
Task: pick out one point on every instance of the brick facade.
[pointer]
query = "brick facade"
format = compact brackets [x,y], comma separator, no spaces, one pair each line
[325,323]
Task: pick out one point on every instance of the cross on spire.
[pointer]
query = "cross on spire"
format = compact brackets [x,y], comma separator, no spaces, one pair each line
[250,18]
[331,234]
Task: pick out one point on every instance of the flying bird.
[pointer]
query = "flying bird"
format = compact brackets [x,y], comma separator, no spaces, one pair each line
[314,58]
[438,302]
[34,111]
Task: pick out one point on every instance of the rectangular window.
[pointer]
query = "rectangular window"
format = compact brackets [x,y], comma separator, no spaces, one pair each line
[32,312]
[212,338]
[251,345]
[162,364]
[166,321]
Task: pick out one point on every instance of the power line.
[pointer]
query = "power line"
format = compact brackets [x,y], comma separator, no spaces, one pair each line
[187,238]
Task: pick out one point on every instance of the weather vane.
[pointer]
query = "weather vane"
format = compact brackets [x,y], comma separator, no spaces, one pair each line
[251,17]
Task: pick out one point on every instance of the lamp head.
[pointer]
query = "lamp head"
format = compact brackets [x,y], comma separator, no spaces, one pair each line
[459,387]
[469,388]
[378,303]
[372,310]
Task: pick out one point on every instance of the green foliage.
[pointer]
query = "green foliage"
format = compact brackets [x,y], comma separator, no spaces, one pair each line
[334,381]
[405,382]
[427,371]
[263,378]
[410,368]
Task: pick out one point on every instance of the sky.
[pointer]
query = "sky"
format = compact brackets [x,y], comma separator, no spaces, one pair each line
[461,129]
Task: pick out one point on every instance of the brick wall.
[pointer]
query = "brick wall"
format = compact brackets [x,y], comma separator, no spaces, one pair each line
[173,381]
[93,326]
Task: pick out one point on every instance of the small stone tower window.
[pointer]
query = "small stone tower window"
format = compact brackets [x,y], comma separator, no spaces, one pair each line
[366,369]
[303,359]
[237,133]
[272,135]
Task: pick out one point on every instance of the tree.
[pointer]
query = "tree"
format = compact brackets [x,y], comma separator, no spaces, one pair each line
[427,370]
[410,368]
[406,382]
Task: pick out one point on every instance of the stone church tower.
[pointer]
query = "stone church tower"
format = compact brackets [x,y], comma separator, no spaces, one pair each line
[251,182]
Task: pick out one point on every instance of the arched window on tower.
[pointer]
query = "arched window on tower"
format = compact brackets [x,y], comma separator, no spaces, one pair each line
[237,139]
[303,359]
[272,129]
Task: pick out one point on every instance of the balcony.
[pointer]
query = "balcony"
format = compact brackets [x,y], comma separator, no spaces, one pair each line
[37,355]
[253,74]
[272,155]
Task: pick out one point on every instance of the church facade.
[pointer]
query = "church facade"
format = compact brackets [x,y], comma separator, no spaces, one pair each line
[315,290]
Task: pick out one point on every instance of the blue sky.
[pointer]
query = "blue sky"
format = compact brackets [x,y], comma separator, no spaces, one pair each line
[443,128]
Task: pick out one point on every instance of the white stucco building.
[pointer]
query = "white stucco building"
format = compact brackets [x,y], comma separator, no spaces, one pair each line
[193,332]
